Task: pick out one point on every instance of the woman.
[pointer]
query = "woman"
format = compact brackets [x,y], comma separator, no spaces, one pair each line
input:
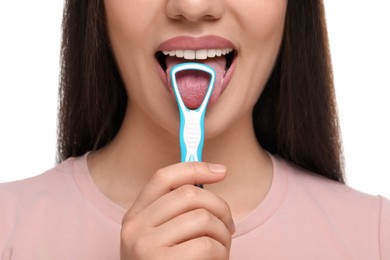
[272,170]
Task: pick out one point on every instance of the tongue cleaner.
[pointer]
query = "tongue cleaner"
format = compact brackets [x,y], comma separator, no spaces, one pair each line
[192,120]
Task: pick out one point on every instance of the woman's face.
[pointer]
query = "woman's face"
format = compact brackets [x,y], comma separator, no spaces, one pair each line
[141,31]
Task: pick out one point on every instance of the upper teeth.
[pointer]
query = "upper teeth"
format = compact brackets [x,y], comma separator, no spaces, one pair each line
[198,54]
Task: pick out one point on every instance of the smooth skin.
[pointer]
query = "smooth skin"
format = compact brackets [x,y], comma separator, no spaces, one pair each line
[168,216]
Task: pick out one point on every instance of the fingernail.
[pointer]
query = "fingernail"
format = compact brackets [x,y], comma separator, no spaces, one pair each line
[217,168]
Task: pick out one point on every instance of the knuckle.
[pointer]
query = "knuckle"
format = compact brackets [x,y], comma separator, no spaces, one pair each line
[145,246]
[127,235]
[227,242]
[189,192]
[212,248]
[192,166]
[127,230]
[128,218]
[160,175]
[133,231]
[195,167]
[206,244]
[221,254]
[204,217]
[141,247]
[131,220]
[225,208]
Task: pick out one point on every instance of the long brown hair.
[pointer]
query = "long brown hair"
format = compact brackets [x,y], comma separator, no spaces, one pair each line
[295,117]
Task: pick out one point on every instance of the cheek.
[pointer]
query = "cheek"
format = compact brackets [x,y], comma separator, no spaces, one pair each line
[134,16]
[132,27]
[130,30]
[131,24]
[264,22]
[264,32]
[124,29]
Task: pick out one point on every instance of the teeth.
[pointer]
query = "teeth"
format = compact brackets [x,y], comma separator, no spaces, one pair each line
[180,53]
[201,54]
[189,55]
[198,54]
[211,53]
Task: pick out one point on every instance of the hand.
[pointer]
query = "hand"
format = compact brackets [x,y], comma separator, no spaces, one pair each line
[173,219]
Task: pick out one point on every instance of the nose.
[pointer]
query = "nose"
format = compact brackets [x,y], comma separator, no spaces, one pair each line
[195,10]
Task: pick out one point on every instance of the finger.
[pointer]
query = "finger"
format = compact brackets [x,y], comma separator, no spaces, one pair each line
[183,199]
[192,224]
[174,176]
[198,248]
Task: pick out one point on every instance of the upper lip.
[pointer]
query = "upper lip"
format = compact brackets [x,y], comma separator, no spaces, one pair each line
[195,43]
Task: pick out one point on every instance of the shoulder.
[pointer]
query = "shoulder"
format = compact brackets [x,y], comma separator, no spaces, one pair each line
[21,200]
[46,182]
[384,228]
[20,195]
[327,192]
[352,212]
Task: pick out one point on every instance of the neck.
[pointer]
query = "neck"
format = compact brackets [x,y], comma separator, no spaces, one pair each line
[124,166]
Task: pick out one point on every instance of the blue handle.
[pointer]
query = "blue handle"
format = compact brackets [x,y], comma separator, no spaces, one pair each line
[191,132]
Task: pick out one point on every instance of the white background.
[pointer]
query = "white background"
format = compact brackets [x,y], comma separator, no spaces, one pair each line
[359,33]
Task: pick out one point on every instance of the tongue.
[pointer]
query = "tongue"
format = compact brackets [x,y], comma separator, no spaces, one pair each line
[193,84]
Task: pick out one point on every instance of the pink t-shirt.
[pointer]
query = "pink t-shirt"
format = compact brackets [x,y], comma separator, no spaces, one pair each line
[61,214]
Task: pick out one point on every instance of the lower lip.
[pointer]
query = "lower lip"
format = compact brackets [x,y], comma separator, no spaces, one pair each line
[226,79]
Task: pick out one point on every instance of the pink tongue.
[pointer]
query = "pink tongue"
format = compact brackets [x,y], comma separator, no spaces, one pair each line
[193,84]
